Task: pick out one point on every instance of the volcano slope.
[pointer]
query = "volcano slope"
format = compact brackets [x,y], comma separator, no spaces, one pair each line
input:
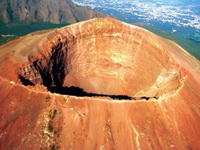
[99,84]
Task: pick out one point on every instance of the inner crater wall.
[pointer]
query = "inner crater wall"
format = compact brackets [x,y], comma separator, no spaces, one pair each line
[104,58]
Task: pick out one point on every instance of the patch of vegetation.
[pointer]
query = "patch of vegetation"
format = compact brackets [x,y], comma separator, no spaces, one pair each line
[51,117]
[21,29]
[4,40]
[50,133]
[50,127]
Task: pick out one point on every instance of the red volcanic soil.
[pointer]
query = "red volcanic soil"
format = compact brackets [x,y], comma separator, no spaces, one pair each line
[99,84]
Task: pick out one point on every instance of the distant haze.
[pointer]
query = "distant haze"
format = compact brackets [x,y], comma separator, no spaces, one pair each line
[176,16]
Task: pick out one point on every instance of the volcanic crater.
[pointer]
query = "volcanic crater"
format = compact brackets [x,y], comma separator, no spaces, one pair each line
[86,86]
[103,60]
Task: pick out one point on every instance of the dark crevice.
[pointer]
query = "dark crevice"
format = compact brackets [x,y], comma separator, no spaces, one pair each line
[9,11]
[54,72]
[76,91]
[58,68]
[25,81]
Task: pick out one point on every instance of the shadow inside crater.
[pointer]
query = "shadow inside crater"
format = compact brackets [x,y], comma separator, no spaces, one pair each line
[76,91]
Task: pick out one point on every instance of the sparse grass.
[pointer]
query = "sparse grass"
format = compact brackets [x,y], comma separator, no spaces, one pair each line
[52,115]
[50,133]
[4,40]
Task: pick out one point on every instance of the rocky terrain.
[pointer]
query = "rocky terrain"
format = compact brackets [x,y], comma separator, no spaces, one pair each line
[62,11]
[98,84]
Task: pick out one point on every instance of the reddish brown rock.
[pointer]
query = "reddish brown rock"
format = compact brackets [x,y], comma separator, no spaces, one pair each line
[139,90]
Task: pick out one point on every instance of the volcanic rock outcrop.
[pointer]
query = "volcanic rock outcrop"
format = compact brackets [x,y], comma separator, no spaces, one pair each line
[98,84]
[62,11]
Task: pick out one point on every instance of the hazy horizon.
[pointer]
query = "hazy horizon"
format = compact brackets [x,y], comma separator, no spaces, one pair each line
[181,17]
